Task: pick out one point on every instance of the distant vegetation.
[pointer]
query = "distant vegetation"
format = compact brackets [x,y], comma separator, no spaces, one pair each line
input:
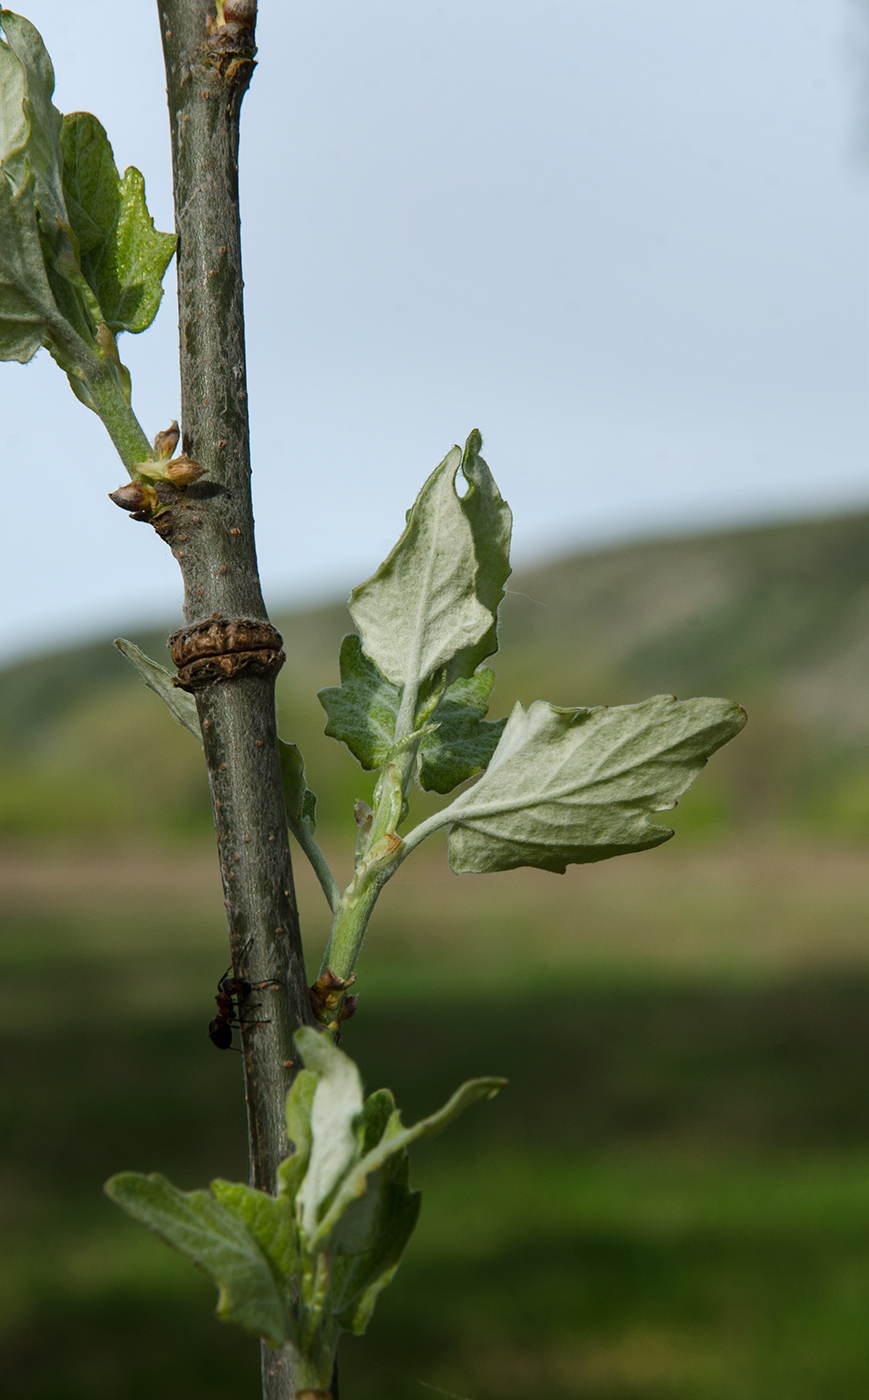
[777,617]
[681,1212]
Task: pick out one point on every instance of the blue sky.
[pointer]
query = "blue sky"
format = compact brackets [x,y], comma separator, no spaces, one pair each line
[624,238]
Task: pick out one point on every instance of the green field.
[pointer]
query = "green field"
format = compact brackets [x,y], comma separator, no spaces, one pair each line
[671,1199]
[669,1202]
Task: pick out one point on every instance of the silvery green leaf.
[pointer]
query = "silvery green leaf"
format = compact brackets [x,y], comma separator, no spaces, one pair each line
[359,1276]
[181,705]
[335,1111]
[141,256]
[357,1231]
[216,1238]
[491,522]
[41,284]
[14,126]
[421,610]
[462,741]
[300,1102]
[122,255]
[571,786]
[27,306]
[362,710]
[300,802]
[270,1219]
[377,1113]
[30,123]
[396,1139]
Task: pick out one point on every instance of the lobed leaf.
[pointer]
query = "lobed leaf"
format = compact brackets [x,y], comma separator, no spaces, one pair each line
[270,1219]
[181,705]
[432,603]
[462,740]
[491,522]
[220,1242]
[572,786]
[122,255]
[363,712]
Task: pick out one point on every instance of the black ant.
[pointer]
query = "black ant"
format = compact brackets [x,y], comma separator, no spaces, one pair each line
[231,993]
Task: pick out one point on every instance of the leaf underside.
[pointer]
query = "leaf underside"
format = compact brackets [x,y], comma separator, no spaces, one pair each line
[566,787]
[216,1237]
[433,601]
[181,705]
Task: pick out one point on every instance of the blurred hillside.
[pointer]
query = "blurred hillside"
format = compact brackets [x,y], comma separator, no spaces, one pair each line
[670,1202]
[775,617]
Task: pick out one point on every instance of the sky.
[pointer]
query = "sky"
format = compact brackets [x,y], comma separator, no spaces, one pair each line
[624,238]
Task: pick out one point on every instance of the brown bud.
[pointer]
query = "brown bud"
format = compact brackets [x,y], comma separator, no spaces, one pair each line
[181,471]
[241,12]
[166,442]
[327,993]
[350,1007]
[134,496]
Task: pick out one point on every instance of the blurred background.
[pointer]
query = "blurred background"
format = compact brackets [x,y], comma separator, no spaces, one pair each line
[627,241]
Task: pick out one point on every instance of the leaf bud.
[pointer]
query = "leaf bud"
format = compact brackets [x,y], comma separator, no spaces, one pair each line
[181,471]
[242,12]
[155,471]
[327,995]
[135,496]
[350,1007]
[166,442]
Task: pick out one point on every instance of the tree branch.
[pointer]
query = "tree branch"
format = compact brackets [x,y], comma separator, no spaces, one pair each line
[209,528]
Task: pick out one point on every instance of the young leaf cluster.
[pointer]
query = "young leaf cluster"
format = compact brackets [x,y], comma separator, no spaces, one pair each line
[554,786]
[80,259]
[302,1266]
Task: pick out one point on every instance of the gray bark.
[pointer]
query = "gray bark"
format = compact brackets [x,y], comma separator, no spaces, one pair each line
[209,528]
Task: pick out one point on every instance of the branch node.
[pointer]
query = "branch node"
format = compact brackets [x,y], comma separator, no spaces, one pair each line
[222,648]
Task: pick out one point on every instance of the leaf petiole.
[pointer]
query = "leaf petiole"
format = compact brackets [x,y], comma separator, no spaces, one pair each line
[318,863]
